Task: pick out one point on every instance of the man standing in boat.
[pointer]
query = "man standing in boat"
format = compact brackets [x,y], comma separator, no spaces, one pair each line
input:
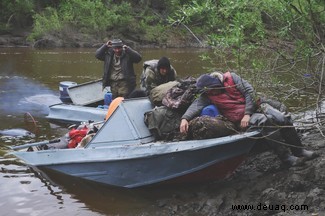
[155,73]
[118,67]
[235,99]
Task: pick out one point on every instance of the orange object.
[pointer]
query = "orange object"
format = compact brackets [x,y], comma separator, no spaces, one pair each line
[112,107]
[76,135]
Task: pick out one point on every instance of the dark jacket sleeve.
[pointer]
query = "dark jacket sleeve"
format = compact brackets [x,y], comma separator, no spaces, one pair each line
[134,55]
[100,52]
[196,107]
[248,91]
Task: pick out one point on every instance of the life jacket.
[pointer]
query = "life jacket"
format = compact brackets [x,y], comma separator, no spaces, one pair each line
[231,103]
[76,135]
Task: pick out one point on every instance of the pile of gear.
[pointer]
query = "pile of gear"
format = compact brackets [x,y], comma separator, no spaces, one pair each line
[171,101]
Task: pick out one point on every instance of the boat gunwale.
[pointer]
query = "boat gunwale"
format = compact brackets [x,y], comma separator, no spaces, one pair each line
[123,152]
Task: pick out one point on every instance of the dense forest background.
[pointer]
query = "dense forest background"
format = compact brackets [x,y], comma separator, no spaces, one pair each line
[265,38]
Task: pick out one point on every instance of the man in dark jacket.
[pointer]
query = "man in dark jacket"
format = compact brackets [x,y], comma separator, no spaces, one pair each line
[118,67]
[155,73]
[236,100]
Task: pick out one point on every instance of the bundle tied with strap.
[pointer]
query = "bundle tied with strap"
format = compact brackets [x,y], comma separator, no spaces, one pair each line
[182,95]
[207,127]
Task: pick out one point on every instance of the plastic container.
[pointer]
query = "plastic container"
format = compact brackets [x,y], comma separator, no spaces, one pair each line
[210,110]
[102,106]
[64,95]
[107,98]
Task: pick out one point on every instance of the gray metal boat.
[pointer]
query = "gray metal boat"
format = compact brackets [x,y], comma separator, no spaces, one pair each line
[80,103]
[123,153]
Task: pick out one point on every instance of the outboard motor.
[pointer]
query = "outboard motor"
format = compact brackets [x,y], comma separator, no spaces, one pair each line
[64,94]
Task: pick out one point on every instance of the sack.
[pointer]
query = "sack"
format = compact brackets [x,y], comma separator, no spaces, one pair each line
[182,95]
[206,127]
[158,93]
[163,122]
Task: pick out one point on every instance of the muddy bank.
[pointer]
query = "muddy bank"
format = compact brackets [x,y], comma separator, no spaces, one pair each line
[263,185]
[75,40]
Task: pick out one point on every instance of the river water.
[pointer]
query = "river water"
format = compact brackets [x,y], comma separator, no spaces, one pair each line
[29,83]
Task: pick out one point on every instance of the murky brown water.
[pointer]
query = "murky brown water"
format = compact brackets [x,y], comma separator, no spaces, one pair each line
[29,82]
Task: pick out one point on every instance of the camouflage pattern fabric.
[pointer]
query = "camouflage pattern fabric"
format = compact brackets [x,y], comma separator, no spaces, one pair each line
[206,127]
[182,95]
[121,88]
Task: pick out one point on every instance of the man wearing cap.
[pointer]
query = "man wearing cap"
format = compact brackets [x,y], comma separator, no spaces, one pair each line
[156,72]
[118,67]
[236,100]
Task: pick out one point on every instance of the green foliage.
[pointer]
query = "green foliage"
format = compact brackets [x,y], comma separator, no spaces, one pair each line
[156,34]
[15,12]
[291,31]
[46,22]
[152,28]
[88,16]
[197,13]
[94,16]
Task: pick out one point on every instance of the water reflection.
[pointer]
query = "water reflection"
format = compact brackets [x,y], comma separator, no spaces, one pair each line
[26,192]
[117,201]
[29,191]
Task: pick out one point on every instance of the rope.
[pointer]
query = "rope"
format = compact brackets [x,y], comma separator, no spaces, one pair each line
[30,119]
[267,137]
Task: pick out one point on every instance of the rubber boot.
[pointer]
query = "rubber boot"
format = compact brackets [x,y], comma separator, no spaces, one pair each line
[291,137]
[308,154]
[292,160]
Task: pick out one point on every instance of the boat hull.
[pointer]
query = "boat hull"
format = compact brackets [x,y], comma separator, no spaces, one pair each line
[74,114]
[124,153]
[206,164]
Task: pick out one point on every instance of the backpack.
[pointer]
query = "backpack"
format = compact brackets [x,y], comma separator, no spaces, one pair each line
[150,63]
[163,122]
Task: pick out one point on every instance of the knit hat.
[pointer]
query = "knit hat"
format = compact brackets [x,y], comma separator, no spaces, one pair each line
[117,43]
[207,81]
[163,63]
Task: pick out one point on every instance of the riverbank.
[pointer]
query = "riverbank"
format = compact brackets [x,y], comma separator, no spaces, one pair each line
[263,185]
[75,40]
